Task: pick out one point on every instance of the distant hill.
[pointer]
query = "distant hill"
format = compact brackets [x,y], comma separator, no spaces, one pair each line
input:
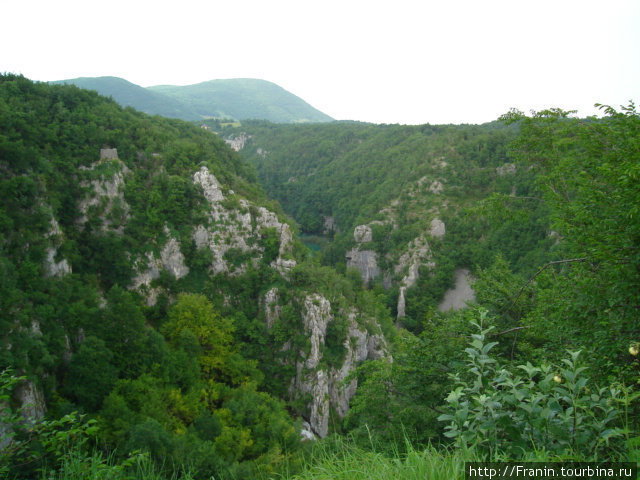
[239,99]
[129,94]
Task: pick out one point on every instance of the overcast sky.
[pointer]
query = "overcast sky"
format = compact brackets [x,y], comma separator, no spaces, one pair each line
[397,61]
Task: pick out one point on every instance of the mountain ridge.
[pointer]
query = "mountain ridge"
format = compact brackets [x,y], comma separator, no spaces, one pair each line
[238,99]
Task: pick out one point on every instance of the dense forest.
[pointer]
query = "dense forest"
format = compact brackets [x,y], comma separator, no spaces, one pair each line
[163,317]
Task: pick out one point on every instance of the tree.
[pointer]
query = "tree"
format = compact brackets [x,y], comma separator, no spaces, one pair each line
[193,316]
[123,330]
[91,373]
[588,173]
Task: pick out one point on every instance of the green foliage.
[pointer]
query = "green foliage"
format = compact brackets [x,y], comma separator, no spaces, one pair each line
[337,458]
[198,378]
[91,374]
[496,410]
[396,399]
[585,173]
[30,445]
[193,316]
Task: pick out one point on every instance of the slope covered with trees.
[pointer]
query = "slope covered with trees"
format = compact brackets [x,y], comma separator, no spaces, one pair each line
[239,98]
[148,283]
[136,257]
[401,182]
[129,94]
[542,211]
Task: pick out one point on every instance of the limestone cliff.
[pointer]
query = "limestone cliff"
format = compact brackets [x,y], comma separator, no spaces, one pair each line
[325,385]
[232,228]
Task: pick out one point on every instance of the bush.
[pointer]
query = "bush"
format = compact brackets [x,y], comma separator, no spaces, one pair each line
[548,409]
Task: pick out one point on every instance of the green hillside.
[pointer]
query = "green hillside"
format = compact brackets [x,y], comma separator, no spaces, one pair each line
[161,317]
[227,99]
[129,94]
[516,203]
[244,98]
[147,281]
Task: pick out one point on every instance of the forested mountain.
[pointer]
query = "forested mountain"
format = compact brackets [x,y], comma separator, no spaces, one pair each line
[396,201]
[541,210]
[161,316]
[241,98]
[244,98]
[147,281]
[129,94]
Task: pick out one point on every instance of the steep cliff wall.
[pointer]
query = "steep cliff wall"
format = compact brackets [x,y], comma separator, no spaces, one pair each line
[324,384]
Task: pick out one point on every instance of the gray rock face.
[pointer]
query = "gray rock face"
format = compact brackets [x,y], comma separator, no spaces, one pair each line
[173,259]
[237,142]
[236,230]
[457,297]
[437,228]
[418,254]
[506,169]
[402,303]
[362,234]
[108,154]
[51,267]
[316,318]
[108,195]
[328,388]
[329,225]
[31,400]
[209,184]
[32,408]
[436,187]
[271,308]
[305,433]
[365,261]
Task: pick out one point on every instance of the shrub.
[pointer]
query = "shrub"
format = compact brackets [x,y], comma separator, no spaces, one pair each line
[544,408]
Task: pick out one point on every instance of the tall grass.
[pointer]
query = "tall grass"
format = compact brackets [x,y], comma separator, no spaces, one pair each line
[343,459]
[76,465]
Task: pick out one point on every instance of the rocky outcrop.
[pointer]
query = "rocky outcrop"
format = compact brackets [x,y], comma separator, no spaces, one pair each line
[172,258]
[31,406]
[233,230]
[317,315]
[237,142]
[326,386]
[437,228]
[360,345]
[362,234]
[436,187]
[107,196]
[108,154]
[506,169]
[457,297]
[271,308]
[210,186]
[148,269]
[31,400]
[418,254]
[365,261]
[329,225]
[51,267]
[402,304]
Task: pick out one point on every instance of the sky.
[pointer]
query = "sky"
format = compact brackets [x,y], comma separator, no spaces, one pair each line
[393,61]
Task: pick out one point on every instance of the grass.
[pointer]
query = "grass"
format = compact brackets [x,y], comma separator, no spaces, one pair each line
[343,459]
